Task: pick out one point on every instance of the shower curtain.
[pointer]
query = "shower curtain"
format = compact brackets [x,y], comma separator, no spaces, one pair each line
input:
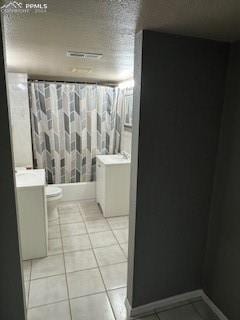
[71,124]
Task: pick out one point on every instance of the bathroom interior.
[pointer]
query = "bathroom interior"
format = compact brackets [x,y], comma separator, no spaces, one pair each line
[71,139]
[72,154]
[124,130]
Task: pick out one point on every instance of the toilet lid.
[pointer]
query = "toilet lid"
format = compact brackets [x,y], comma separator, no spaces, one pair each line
[53,191]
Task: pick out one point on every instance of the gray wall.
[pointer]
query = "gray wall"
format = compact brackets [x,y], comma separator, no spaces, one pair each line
[11,290]
[178,99]
[222,269]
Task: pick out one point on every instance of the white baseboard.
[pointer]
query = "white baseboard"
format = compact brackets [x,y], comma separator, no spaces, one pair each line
[159,305]
[128,308]
[78,191]
[214,308]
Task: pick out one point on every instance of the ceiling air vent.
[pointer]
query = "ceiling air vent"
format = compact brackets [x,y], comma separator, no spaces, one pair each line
[84,55]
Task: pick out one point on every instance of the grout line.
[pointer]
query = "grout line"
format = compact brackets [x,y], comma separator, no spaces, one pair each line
[109,245]
[104,284]
[64,263]
[47,304]
[45,277]
[88,295]
[119,242]
[29,285]
[63,253]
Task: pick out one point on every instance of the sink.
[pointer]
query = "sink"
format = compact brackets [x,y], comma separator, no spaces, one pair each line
[117,157]
[113,159]
[25,178]
[28,178]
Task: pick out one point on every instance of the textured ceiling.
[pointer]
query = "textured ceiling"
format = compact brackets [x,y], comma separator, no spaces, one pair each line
[37,43]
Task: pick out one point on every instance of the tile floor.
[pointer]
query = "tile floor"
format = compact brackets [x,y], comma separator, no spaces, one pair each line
[85,275]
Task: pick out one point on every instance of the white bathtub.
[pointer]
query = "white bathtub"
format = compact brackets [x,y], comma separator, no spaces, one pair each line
[32,213]
[78,191]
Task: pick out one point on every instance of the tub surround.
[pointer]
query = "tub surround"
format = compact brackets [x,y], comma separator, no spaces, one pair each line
[18,104]
[126,140]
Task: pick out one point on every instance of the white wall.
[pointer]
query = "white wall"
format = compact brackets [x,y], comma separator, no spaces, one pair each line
[126,141]
[20,118]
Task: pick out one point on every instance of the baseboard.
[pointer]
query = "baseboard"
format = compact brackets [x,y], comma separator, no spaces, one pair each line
[78,191]
[160,304]
[171,302]
[214,308]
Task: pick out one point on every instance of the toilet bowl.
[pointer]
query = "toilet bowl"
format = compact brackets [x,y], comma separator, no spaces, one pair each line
[53,194]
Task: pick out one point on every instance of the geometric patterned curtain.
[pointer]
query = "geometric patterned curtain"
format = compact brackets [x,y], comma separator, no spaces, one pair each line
[71,123]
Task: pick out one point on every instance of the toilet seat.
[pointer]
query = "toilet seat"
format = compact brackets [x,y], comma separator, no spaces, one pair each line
[53,192]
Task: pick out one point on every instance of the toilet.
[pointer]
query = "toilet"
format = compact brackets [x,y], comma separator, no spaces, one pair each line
[53,194]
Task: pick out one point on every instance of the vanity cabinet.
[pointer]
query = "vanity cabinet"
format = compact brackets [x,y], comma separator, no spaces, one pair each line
[113,185]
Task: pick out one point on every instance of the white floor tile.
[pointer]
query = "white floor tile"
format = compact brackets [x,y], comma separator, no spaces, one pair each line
[68,205]
[53,231]
[90,211]
[117,298]
[92,308]
[97,226]
[47,290]
[109,255]
[102,239]
[26,269]
[54,246]
[56,311]
[70,210]
[49,266]
[92,216]
[114,276]
[70,218]
[72,229]
[119,222]
[76,243]
[121,235]
[84,283]
[80,260]
[89,205]
[185,312]
[203,309]
[124,247]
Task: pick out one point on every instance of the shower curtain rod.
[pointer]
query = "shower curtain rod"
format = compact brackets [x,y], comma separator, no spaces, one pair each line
[105,84]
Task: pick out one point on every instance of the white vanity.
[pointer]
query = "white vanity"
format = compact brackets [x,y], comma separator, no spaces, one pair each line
[32,213]
[113,184]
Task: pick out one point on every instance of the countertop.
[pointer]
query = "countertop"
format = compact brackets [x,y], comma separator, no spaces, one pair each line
[30,178]
[113,159]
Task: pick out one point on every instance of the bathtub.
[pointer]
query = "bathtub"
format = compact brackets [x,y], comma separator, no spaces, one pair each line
[78,191]
[32,213]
